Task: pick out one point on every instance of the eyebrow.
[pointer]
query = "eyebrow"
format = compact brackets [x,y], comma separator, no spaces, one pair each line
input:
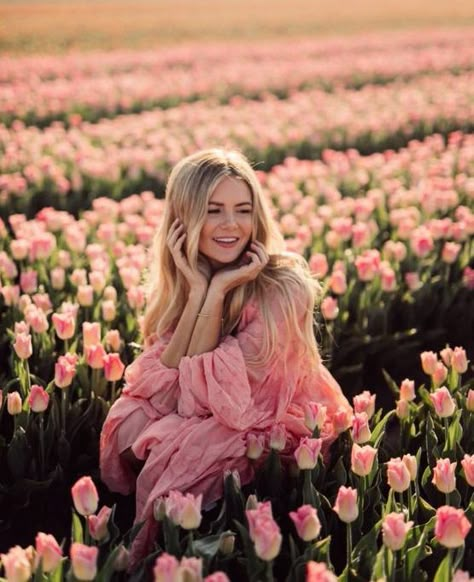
[239,204]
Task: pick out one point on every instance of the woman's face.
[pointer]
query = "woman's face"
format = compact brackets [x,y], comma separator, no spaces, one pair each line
[228,226]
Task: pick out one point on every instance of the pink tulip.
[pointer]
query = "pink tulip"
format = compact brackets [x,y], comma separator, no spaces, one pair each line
[446,356]
[443,403]
[97,280]
[23,346]
[37,319]
[306,522]
[84,561]
[184,510]
[95,356]
[318,265]
[451,527]
[318,572]
[255,445]
[388,279]
[48,551]
[91,333]
[468,466]
[166,568]
[64,372]
[85,496]
[314,415]
[190,569]
[346,504]
[98,523]
[264,531]
[112,340]
[362,459]
[365,402]
[217,577]
[342,419]
[459,360]
[428,362]
[360,428]
[16,564]
[29,281]
[407,390]
[394,530]
[337,282]
[444,477]
[398,476]
[58,278]
[413,281]
[113,367]
[421,242]
[329,308]
[402,409]
[411,464]
[278,437]
[470,400]
[14,404]
[450,252]
[122,559]
[461,576]
[440,374]
[109,310]
[64,325]
[38,398]
[307,453]
[85,295]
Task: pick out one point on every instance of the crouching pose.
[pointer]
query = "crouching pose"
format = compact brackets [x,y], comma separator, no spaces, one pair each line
[230,347]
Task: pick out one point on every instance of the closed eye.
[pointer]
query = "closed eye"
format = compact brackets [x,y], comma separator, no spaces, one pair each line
[216,210]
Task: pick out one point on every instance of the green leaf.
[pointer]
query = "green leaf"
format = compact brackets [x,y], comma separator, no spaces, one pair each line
[391,383]
[443,573]
[379,430]
[77,532]
[208,546]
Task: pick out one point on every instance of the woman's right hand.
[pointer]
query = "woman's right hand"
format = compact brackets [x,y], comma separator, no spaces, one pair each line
[198,278]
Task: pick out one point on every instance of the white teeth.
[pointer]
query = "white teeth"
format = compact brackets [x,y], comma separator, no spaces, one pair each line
[229,240]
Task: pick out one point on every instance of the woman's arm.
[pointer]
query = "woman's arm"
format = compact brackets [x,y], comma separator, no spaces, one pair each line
[179,343]
[207,329]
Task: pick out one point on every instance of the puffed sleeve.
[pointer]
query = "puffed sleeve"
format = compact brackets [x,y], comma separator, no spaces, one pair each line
[222,383]
[150,393]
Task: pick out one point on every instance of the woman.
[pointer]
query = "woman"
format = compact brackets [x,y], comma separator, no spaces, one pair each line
[230,347]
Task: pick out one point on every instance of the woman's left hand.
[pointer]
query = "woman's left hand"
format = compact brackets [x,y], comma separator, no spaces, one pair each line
[230,277]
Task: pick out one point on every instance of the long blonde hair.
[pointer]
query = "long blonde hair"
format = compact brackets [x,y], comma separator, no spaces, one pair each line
[188,191]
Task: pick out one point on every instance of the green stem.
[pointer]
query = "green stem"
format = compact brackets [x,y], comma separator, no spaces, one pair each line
[349,547]
[446,429]
[112,392]
[269,572]
[41,446]
[64,399]
[450,563]
[28,378]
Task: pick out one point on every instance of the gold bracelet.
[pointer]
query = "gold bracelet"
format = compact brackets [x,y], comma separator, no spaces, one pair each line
[208,315]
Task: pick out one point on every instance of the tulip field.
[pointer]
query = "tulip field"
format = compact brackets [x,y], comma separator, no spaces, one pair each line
[364,148]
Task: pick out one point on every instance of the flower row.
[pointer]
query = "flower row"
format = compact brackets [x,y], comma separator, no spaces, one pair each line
[70,88]
[69,167]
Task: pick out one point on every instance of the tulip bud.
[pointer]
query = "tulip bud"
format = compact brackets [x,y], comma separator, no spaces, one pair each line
[329,308]
[342,419]
[255,445]
[470,401]
[122,559]
[443,403]
[38,399]
[468,466]
[108,310]
[306,522]
[23,346]
[264,532]
[90,333]
[64,324]
[14,403]
[159,509]
[16,564]
[84,561]
[446,355]
[346,504]
[314,415]
[440,374]
[166,568]
[98,523]
[394,530]
[307,453]
[428,362]
[190,512]
[459,360]
[407,390]
[252,502]
[64,372]
[318,572]
[278,437]
[95,356]
[85,496]
[444,477]
[403,409]
[451,526]
[362,459]
[113,367]
[412,465]
[360,428]
[48,551]
[365,402]
[398,476]
[227,543]
[112,340]
[58,278]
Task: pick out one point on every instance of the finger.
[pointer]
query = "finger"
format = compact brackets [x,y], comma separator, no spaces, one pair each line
[173,236]
[260,253]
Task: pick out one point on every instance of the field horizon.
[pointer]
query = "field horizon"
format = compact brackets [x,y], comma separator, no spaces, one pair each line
[56,26]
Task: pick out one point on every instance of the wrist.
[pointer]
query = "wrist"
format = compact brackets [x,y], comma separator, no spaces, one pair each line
[216,292]
[197,295]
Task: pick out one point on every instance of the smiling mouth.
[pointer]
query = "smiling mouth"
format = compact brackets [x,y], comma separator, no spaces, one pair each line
[226,242]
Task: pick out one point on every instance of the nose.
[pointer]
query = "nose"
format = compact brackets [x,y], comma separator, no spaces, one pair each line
[229,219]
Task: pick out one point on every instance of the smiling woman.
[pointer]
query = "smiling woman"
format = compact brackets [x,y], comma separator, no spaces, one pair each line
[230,344]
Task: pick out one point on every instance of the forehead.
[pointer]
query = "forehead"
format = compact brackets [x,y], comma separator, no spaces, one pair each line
[231,190]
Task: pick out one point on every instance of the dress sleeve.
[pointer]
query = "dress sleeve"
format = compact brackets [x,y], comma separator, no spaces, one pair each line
[221,382]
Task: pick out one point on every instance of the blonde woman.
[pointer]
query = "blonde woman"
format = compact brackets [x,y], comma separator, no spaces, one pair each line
[230,348]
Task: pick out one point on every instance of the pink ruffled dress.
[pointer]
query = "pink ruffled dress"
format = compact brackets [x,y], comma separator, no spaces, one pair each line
[189,424]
